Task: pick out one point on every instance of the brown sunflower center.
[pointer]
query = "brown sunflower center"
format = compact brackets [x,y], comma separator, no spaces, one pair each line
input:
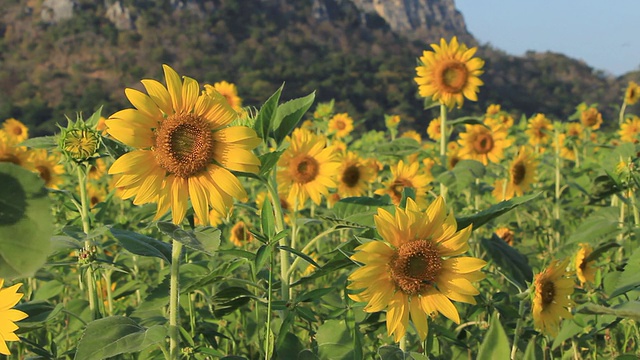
[17,130]
[548,292]
[340,125]
[11,158]
[304,169]
[184,145]
[483,143]
[241,232]
[94,200]
[452,76]
[44,173]
[415,266]
[518,172]
[351,176]
[396,189]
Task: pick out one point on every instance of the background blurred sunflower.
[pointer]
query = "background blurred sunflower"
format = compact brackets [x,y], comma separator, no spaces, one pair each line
[354,176]
[632,94]
[522,174]
[341,125]
[552,289]
[405,176]
[584,269]
[229,91]
[433,130]
[9,152]
[240,234]
[483,143]
[16,130]
[414,272]
[47,166]
[630,129]
[539,130]
[449,73]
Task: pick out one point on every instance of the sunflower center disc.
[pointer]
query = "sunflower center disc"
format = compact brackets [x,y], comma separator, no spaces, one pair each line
[351,176]
[184,145]
[241,233]
[44,173]
[340,125]
[548,292]
[483,143]
[453,76]
[304,169]
[415,266]
[590,117]
[518,173]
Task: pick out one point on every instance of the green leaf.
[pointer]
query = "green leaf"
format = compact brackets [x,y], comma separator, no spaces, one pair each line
[495,344]
[469,120]
[399,147]
[261,257]
[26,223]
[48,290]
[360,210]
[568,330]
[334,340]
[511,262]
[92,121]
[630,277]
[142,245]
[267,218]
[268,161]
[289,114]
[628,310]
[110,336]
[229,299]
[530,352]
[114,148]
[39,313]
[601,224]
[42,142]
[601,249]
[206,239]
[314,294]
[266,115]
[299,253]
[387,352]
[493,212]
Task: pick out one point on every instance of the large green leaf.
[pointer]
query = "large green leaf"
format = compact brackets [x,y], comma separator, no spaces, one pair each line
[630,277]
[115,335]
[42,142]
[206,239]
[493,212]
[268,161]
[26,222]
[289,114]
[334,340]
[142,245]
[495,344]
[266,115]
[601,224]
[398,147]
[360,210]
[511,262]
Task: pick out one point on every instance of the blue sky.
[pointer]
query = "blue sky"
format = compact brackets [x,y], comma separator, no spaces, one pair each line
[603,33]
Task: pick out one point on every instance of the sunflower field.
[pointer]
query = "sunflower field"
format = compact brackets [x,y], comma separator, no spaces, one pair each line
[190,227]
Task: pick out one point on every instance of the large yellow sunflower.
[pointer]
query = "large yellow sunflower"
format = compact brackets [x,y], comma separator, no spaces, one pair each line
[354,176]
[449,73]
[522,173]
[551,298]
[307,169]
[414,272]
[341,125]
[632,94]
[47,166]
[485,144]
[16,130]
[629,130]
[9,152]
[184,147]
[591,118]
[584,269]
[229,91]
[9,297]
[539,130]
[405,176]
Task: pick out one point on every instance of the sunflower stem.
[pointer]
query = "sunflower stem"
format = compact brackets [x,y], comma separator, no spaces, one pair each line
[86,228]
[443,144]
[634,207]
[174,301]
[279,226]
[556,209]
[403,343]
[267,340]
[516,333]
[622,110]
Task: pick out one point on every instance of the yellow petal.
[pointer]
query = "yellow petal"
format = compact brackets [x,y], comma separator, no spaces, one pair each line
[419,318]
[463,265]
[159,94]
[179,198]
[199,199]
[174,87]
[442,304]
[190,91]
[397,316]
[143,103]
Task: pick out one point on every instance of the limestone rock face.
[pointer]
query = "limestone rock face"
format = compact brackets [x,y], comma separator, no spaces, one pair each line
[119,15]
[54,11]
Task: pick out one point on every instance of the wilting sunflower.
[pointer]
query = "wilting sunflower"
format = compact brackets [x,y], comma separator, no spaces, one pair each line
[522,173]
[449,73]
[584,269]
[184,147]
[9,152]
[632,94]
[485,144]
[405,176]
[354,176]
[307,169]
[433,130]
[539,130]
[628,132]
[414,272]
[551,298]
[591,118]
[341,125]
[240,234]
[9,297]
[229,91]
[16,130]
[47,166]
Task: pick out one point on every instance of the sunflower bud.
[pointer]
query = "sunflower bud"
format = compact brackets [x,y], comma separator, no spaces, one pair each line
[79,142]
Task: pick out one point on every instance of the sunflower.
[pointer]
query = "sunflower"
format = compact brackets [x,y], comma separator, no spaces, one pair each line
[483,143]
[47,166]
[591,118]
[183,148]
[229,91]
[101,127]
[9,152]
[449,73]
[567,148]
[453,155]
[632,94]
[414,272]
[97,170]
[584,269]
[341,125]
[575,130]
[522,173]
[412,134]
[553,288]
[493,109]
[95,194]
[539,130]
[16,130]
[240,234]
[505,234]
[9,297]
[354,176]
[405,176]
[433,130]
[307,168]
[338,147]
[628,132]
[392,121]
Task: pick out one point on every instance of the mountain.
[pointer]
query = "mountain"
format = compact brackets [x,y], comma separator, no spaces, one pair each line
[62,56]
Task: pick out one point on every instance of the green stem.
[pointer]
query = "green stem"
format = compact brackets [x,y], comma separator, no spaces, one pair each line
[556,209]
[403,343]
[174,301]
[308,246]
[622,109]
[516,334]
[107,281]
[634,207]
[267,341]
[86,228]
[443,144]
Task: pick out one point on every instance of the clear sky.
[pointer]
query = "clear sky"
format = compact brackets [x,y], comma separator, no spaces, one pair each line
[603,33]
